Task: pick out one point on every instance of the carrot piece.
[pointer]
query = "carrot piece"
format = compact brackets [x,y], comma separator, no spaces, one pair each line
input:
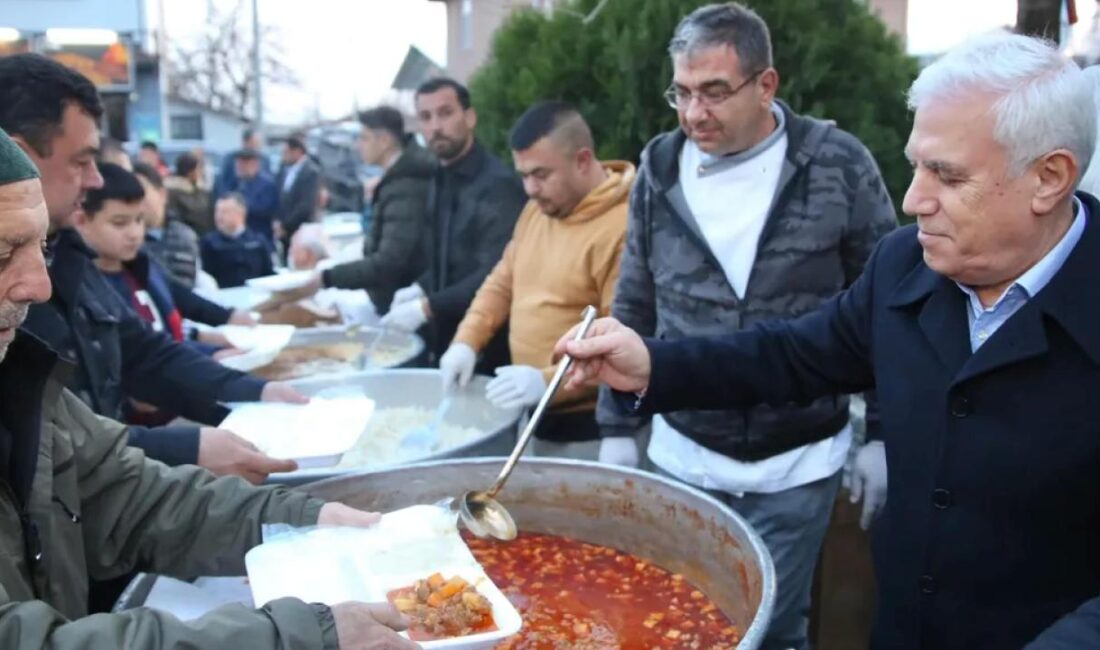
[456,585]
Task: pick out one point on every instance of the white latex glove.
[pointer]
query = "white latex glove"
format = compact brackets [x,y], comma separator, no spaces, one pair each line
[619,451]
[457,366]
[408,316]
[515,387]
[869,481]
[411,292]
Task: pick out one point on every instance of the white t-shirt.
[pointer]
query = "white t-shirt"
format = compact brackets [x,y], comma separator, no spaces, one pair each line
[730,202]
[730,199]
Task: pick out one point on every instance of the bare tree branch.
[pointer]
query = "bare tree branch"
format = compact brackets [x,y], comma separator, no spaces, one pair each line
[216,69]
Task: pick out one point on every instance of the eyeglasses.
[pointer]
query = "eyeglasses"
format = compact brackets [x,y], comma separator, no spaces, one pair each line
[680,98]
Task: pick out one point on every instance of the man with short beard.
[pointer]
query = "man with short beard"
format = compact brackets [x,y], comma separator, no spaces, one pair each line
[473,205]
[563,256]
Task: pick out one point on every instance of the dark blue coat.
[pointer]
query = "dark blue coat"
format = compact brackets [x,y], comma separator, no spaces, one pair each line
[227,180]
[991,531]
[233,260]
[170,294]
[118,356]
[261,197]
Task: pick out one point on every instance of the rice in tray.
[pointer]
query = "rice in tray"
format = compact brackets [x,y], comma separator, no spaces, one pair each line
[380,443]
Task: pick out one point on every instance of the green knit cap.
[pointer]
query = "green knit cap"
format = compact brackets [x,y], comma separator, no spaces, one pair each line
[15,166]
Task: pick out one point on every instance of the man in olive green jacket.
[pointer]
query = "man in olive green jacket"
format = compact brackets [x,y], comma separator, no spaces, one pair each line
[76,502]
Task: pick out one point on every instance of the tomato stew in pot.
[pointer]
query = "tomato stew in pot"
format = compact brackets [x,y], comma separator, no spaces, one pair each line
[580,596]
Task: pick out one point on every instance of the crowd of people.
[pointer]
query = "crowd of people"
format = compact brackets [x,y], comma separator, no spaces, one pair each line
[750,275]
[197,237]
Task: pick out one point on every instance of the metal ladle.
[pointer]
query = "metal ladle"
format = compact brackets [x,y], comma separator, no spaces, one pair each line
[480,512]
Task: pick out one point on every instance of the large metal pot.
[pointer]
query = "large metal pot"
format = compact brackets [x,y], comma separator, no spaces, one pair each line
[423,388]
[410,344]
[677,527]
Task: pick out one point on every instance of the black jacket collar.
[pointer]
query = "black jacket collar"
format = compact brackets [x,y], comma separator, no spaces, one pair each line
[470,165]
[71,259]
[1071,299]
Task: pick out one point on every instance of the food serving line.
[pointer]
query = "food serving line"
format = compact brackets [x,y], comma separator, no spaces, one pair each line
[606,557]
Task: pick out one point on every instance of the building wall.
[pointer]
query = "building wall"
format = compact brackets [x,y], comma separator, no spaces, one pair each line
[469,43]
[895,13]
[220,133]
[39,15]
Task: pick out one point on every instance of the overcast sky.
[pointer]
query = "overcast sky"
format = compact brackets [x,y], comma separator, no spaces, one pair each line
[936,25]
[345,50]
[340,49]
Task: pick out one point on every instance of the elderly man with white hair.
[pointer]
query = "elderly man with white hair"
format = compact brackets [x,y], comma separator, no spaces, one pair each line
[309,250]
[979,326]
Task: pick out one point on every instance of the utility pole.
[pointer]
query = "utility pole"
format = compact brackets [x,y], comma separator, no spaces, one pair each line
[162,72]
[257,68]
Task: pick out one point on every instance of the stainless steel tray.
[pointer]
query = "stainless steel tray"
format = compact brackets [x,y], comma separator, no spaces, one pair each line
[422,388]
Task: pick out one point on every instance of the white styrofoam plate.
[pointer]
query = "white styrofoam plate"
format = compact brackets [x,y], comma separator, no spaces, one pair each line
[244,298]
[333,565]
[250,337]
[251,359]
[281,281]
[261,343]
[507,619]
[316,434]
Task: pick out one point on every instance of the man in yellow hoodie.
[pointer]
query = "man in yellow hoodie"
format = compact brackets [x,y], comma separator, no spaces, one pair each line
[564,254]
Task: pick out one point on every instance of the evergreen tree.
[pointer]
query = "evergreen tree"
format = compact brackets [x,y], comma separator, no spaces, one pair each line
[835,60]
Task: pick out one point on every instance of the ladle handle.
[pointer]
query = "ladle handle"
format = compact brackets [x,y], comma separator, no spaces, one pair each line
[588,316]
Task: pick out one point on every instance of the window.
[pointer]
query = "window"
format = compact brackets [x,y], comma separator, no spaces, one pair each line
[115,112]
[185,127]
[466,25]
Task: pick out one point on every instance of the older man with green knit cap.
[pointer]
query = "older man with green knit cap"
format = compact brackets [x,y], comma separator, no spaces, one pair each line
[76,502]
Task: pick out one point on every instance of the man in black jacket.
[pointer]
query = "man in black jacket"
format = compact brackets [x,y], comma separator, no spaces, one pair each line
[473,204]
[979,328]
[393,250]
[299,186]
[51,112]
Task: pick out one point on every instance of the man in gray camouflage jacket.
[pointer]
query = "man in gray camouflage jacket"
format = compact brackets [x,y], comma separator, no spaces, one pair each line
[748,212]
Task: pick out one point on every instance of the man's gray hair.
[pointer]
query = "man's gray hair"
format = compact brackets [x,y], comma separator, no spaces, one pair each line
[727,24]
[1042,102]
[311,236]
